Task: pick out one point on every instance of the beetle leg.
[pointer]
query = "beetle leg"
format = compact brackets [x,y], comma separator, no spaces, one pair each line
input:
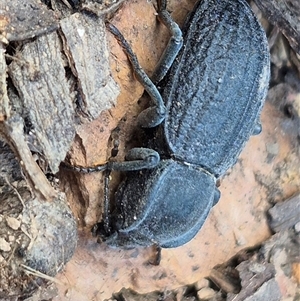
[137,159]
[103,229]
[82,169]
[152,116]
[217,195]
[257,129]
[174,45]
[106,211]
[157,256]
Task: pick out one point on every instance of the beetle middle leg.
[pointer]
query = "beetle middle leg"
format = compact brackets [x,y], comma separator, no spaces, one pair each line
[154,115]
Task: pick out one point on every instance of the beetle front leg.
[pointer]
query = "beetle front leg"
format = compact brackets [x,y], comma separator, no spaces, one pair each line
[136,159]
[174,45]
[152,116]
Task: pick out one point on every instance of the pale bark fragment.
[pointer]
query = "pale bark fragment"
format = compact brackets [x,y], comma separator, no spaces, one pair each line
[4,102]
[40,79]
[12,131]
[87,50]
[286,214]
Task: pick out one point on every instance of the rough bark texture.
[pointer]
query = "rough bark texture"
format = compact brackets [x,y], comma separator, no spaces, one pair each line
[88,55]
[40,80]
[25,19]
[267,170]
[286,16]
[286,214]
[4,108]
[41,103]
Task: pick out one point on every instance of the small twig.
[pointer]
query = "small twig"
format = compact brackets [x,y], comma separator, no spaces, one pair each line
[11,254]
[15,190]
[34,272]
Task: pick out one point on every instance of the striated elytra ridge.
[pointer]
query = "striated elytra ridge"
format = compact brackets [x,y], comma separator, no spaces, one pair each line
[217,85]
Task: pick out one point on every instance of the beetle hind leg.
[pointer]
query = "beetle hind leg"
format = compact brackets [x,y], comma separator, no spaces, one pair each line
[153,115]
[174,45]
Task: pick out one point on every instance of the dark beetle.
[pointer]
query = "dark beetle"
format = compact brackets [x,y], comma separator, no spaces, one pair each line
[213,96]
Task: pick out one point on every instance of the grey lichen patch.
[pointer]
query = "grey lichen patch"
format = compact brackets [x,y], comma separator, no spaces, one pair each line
[44,242]
[87,50]
[34,234]
[53,231]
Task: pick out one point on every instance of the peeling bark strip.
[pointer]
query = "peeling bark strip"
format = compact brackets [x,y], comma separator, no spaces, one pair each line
[39,77]
[87,50]
[12,130]
[4,102]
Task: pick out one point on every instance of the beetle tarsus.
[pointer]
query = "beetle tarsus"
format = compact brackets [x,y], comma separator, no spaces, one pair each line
[82,169]
[156,259]
[257,129]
